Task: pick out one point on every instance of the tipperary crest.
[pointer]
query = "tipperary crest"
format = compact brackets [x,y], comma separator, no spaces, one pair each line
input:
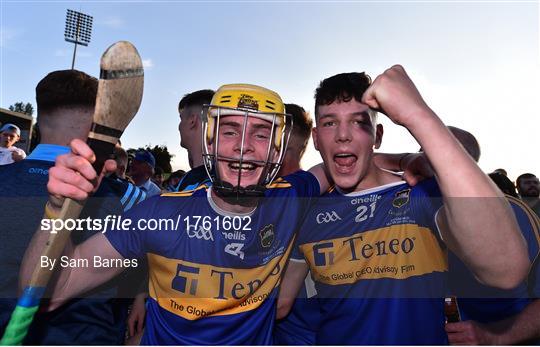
[402,198]
[267,236]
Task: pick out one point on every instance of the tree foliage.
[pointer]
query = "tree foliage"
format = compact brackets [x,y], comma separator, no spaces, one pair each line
[22,107]
[160,153]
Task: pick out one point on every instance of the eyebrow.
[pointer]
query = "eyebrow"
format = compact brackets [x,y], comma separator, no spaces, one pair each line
[237,124]
[333,115]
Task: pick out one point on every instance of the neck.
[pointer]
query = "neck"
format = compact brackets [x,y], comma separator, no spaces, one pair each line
[288,168]
[139,181]
[195,155]
[59,139]
[375,177]
[227,206]
[531,201]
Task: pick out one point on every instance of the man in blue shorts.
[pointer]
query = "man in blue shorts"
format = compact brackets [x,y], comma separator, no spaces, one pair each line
[377,246]
[213,276]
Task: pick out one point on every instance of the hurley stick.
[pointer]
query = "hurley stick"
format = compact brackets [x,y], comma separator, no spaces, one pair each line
[119,96]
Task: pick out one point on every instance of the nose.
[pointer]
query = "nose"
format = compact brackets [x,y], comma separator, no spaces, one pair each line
[243,145]
[343,133]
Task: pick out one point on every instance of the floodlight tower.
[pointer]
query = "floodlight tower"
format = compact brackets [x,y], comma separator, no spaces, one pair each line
[78,30]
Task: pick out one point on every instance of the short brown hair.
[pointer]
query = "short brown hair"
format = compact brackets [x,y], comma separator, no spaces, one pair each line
[197,98]
[342,87]
[302,122]
[66,88]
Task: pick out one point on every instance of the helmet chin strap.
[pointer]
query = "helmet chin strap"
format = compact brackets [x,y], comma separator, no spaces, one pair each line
[243,196]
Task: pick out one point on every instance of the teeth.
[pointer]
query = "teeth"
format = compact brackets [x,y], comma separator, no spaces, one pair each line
[343,155]
[245,166]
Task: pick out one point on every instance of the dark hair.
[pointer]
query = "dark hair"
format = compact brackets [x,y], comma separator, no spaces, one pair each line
[342,87]
[197,98]
[467,140]
[177,173]
[505,185]
[524,176]
[302,122]
[66,88]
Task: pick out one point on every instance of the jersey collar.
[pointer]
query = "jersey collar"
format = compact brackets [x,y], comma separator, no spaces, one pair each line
[47,152]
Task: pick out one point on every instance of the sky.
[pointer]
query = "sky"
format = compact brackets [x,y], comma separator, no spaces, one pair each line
[476,63]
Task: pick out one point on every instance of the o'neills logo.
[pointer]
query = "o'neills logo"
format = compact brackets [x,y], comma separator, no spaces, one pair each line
[267,236]
[402,198]
[247,101]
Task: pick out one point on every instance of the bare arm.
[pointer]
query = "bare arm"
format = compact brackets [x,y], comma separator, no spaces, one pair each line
[476,221]
[71,282]
[290,285]
[319,172]
[518,329]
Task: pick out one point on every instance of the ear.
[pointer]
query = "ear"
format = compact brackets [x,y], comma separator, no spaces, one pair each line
[193,121]
[378,136]
[315,138]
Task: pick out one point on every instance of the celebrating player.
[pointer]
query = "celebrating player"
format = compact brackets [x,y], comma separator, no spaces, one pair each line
[209,284]
[375,244]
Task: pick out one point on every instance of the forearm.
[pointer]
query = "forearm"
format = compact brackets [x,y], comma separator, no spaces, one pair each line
[521,328]
[478,224]
[389,161]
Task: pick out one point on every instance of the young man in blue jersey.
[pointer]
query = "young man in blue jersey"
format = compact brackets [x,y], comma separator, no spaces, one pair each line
[375,244]
[209,284]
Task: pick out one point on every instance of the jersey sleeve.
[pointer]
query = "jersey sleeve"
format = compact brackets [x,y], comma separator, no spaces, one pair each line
[130,241]
[428,198]
[529,225]
[305,183]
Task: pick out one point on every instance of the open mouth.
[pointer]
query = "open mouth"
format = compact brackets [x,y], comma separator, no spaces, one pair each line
[345,162]
[246,168]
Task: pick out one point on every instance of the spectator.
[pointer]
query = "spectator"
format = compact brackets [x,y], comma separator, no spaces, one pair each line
[9,135]
[172,182]
[505,185]
[157,178]
[142,170]
[502,172]
[121,158]
[528,187]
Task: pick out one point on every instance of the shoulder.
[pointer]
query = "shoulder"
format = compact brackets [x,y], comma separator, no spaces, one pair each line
[428,187]
[200,190]
[302,182]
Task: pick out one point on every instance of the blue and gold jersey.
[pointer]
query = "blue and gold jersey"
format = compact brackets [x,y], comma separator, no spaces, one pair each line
[377,260]
[213,276]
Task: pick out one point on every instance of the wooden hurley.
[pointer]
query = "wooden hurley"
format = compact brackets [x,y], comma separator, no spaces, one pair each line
[118,99]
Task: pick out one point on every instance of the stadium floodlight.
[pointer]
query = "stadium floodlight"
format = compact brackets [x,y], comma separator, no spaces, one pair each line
[78,30]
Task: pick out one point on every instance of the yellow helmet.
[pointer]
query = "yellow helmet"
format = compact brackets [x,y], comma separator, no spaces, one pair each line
[249,101]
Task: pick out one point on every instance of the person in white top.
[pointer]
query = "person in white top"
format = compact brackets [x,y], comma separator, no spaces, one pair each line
[9,135]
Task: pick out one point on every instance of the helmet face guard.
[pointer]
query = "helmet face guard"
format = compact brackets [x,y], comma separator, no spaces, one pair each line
[281,127]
